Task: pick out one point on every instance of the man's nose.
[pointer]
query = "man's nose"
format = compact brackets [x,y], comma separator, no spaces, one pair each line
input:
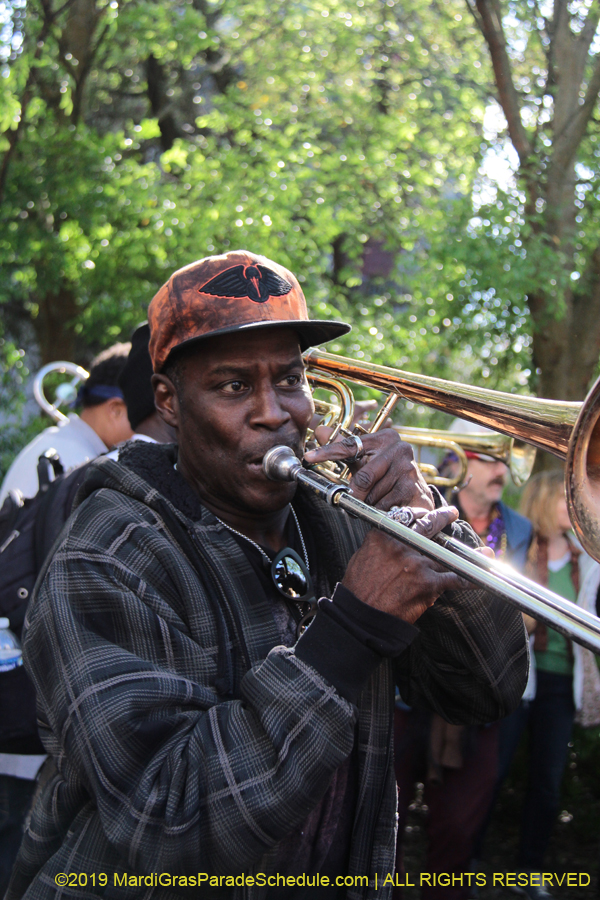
[268,410]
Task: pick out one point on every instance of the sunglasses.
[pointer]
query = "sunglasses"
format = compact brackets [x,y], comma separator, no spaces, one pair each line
[292,580]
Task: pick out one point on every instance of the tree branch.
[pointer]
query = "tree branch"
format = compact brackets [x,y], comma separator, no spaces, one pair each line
[62,8]
[546,48]
[567,142]
[588,31]
[491,25]
[586,313]
[474,12]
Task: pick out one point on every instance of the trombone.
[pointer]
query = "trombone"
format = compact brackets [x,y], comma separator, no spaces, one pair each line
[570,431]
[516,454]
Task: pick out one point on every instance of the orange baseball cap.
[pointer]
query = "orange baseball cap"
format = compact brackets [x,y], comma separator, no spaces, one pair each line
[233,292]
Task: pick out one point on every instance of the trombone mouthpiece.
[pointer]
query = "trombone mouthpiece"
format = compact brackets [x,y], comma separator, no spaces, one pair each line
[281,464]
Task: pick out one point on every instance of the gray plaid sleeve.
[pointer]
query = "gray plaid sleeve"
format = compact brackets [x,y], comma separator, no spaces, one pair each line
[470,660]
[181,780]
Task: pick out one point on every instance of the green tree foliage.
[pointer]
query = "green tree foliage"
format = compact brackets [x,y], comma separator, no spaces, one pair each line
[139,136]
[15,428]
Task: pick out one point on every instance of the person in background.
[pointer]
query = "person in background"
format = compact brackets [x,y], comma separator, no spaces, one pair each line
[102,424]
[22,756]
[554,560]
[458,765]
[135,382]
[480,502]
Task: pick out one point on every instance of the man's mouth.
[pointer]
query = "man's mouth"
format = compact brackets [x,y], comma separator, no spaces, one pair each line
[256,460]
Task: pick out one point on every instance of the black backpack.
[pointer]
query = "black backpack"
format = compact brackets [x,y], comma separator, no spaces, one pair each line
[28,530]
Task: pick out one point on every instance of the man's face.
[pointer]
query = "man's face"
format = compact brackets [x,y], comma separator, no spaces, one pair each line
[239,396]
[488,479]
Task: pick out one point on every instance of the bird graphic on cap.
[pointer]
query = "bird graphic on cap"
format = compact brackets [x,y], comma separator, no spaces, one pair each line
[258,283]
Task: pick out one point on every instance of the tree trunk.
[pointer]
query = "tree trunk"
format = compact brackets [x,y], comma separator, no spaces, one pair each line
[53,329]
[566,327]
[566,320]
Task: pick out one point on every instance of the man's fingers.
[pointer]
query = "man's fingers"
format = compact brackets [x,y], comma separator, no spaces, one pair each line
[339,450]
[385,476]
[450,581]
[322,434]
[373,479]
[435,521]
[486,551]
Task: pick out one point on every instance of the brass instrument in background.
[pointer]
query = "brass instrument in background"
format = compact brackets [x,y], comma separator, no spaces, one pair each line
[65,393]
[516,454]
[569,431]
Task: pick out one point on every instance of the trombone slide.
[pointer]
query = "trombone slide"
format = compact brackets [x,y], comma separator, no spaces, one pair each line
[281,464]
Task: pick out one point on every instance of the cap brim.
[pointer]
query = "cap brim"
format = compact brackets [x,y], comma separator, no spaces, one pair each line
[310,331]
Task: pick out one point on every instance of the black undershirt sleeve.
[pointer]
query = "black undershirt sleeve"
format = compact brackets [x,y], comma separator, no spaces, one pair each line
[348,639]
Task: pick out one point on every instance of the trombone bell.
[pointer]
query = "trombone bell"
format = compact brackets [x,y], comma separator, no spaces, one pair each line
[582,478]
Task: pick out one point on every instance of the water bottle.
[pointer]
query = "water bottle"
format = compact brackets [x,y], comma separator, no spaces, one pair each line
[11,655]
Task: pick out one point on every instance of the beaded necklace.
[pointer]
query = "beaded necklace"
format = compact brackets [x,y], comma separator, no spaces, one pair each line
[495,534]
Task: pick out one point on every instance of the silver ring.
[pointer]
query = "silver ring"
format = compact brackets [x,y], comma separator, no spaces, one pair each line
[403,514]
[360,451]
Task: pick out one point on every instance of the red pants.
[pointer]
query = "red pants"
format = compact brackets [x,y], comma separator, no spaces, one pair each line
[457,807]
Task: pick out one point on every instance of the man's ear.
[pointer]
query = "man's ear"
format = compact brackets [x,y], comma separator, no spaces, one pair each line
[116,408]
[166,399]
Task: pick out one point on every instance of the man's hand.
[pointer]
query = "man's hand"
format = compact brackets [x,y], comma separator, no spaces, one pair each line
[396,579]
[386,476]
[385,573]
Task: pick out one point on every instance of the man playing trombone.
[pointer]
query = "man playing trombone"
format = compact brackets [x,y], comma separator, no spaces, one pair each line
[197,726]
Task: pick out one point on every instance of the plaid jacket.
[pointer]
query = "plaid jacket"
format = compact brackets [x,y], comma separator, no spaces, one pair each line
[184,739]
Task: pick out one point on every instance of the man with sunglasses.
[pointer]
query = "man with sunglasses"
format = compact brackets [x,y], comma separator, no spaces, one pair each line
[479,502]
[198,727]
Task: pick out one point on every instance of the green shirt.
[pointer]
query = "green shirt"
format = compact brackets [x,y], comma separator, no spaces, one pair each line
[558,657]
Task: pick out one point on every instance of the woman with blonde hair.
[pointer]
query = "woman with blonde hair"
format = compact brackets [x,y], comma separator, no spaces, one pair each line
[553,561]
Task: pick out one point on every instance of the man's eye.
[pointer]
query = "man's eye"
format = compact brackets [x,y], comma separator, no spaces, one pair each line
[291,380]
[234,387]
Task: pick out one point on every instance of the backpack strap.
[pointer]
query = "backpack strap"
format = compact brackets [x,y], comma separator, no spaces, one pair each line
[49,462]
[55,506]
[9,515]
